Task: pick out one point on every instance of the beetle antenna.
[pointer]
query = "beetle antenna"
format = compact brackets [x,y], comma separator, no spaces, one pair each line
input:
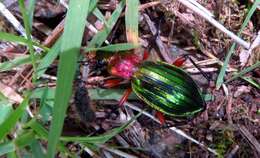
[193,63]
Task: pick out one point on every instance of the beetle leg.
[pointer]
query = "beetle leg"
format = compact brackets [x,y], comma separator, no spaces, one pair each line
[179,61]
[160,117]
[125,96]
[112,83]
[145,55]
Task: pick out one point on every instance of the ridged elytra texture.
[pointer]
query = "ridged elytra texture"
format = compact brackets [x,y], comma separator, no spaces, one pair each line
[167,89]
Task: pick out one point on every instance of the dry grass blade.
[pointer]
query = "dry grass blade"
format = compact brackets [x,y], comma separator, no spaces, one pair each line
[131,21]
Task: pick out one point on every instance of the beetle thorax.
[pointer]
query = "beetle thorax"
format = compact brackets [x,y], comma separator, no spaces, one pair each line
[124,66]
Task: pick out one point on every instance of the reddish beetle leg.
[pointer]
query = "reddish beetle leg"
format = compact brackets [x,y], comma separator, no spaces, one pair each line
[112,83]
[179,61]
[160,117]
[125,96]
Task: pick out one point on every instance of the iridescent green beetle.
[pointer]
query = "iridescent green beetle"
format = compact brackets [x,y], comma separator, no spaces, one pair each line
[164,87]
[167,89]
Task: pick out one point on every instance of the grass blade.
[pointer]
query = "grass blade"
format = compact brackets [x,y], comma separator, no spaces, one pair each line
[42,133]
[131,21]
[95,94]
[37,150]
[101,139]
[11,120]
[74,28]
[48,59]
[251,81]
[18,39]
[5,109]
[26,21]
[243,72]
[113,47]
[221,75]
[101,36]
[7,148]
[8,65]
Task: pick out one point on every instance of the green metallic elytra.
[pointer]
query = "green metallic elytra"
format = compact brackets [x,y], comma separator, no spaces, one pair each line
[167,89]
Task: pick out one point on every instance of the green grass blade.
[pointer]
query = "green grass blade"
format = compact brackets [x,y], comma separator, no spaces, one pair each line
[8,65]
[108,94]
[12,155]
[95,94]
[6,148]
[24,139]
[101,139]
[243,72]
[48,59]
[27,26]
[221,75]
[37,150]
[42,133]
[70,46]
[11,120]
[131,21]
[5,110]
[100,16]
[101,36]
[18,39]
[251,81]
[113,48]
[31,8]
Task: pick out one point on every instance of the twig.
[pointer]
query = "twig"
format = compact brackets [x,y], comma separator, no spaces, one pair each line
[9,16]
[214,22]
[206,11]
[252,140]
[116,151]
[163,50]
[178,131]
[229,108]
[208,69]
[233,152]
[16,24]
[54,35]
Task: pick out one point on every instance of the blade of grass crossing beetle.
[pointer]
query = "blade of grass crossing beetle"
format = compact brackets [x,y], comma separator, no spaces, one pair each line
[70,46]
[221,75]
[131,21]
